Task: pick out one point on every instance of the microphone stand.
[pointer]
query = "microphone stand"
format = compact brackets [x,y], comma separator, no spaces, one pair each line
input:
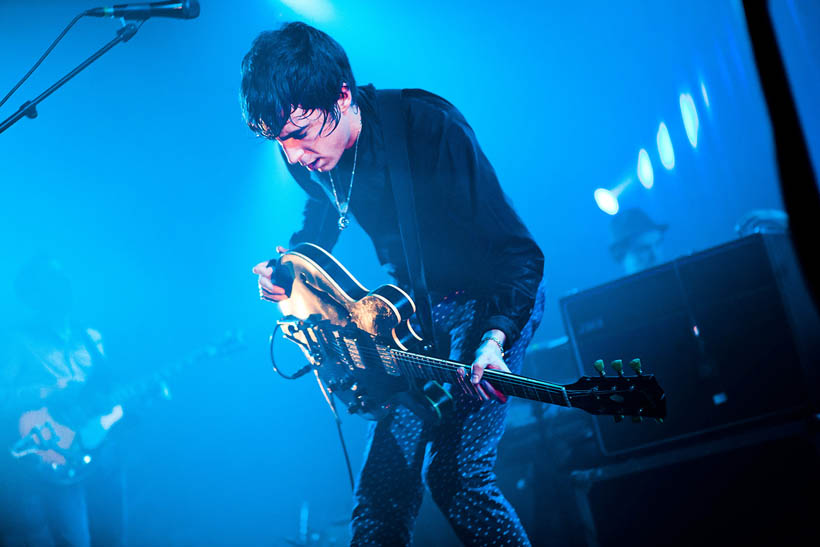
[29,108]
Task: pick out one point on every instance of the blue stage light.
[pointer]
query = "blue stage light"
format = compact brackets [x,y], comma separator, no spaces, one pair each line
[665,150]
[690,118]
[645,173]
[607,201]
[317,10]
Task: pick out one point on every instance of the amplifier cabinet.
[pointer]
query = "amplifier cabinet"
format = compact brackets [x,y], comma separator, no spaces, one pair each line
[730,333]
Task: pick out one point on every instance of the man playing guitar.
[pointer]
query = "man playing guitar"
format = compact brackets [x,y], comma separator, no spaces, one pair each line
[53,369]
[482,266]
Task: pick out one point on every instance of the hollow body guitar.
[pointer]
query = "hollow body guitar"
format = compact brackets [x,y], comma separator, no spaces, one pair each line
[361,346]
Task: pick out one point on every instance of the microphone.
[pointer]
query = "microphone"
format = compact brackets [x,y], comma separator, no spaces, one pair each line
[186,9]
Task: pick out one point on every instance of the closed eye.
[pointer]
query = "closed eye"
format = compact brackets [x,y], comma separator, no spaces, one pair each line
[299,134]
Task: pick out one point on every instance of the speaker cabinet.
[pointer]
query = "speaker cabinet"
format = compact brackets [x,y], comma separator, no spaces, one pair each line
[730,332]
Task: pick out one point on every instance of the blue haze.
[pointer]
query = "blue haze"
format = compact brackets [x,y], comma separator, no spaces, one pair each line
[142,178]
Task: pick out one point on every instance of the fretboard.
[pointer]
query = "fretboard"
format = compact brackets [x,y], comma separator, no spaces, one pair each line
[441,370]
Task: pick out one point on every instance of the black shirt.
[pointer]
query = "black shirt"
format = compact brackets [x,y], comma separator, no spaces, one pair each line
[471,238]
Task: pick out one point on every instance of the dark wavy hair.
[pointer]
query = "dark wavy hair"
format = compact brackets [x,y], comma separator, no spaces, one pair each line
[295,66]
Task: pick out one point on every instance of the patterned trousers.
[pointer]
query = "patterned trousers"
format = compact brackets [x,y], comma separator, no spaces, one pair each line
[455,457]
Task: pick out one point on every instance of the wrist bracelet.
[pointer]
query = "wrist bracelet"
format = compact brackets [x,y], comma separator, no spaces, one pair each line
[494,339]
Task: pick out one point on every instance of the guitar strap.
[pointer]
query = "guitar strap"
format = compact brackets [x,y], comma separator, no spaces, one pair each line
[394,129]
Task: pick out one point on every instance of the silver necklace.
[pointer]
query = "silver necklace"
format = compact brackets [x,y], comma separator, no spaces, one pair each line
[344,206]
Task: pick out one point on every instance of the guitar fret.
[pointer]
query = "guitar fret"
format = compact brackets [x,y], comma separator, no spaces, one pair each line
[545,396]
[430,368]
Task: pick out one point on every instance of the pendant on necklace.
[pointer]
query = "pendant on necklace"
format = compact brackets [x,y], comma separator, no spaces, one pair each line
[344,222]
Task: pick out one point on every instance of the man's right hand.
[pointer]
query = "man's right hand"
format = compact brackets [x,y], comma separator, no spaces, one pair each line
[267,290]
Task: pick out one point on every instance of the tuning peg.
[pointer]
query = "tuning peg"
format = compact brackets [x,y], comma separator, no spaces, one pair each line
[659,420]
[636,419]
[618,418]
[618,365]
[599,366]
[635,364]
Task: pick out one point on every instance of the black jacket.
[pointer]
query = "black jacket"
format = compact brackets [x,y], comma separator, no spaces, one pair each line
[471,238]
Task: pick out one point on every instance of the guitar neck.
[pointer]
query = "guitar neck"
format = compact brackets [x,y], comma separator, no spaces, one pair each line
[441,370]
[155,385]
[364,356]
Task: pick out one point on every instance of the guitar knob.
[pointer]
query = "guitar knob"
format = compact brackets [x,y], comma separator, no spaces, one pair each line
[635,364]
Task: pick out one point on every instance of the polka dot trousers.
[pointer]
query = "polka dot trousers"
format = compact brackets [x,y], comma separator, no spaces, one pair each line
[454,458]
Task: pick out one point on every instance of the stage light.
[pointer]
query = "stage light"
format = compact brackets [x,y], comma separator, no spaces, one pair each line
[665,150]
[317,10]
[607,201]
[703,92]
[690,118]
[645,173]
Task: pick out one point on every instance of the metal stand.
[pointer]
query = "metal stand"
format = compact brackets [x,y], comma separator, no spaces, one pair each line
[29,108]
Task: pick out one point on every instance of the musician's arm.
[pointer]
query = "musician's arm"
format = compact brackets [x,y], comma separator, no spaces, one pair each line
[514,263]
[514,260]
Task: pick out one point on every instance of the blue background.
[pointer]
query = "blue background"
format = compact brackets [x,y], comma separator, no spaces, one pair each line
[141,177]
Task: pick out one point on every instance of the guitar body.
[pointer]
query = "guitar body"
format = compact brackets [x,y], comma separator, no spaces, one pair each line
[320,287]
[53,439]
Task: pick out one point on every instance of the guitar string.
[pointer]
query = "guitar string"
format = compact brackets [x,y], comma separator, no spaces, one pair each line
[412,371]
[450,366]
[501,377]
[407,371]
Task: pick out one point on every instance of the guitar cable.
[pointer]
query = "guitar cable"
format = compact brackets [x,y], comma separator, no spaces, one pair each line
[299,373]
[328,398]
[42,58]
[338,421]
[48,51]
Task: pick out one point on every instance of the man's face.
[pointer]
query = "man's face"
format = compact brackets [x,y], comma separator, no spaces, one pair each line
[307,143]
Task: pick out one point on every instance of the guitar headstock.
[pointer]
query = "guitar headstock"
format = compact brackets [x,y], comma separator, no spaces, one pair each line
[619,395]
